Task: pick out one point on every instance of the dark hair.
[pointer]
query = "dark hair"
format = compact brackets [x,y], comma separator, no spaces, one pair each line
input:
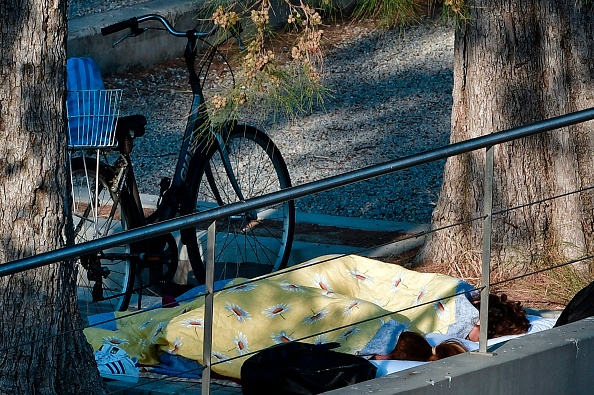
[505,317]
[448,348]
[412,346]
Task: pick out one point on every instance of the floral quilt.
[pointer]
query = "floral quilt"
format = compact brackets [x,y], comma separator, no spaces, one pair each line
[343,299]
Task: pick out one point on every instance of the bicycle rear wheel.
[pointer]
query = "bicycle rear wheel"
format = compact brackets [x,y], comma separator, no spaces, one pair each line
[105,279]
[255,242]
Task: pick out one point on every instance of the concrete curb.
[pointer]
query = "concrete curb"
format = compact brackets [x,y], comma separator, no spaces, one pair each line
[303,250]
[555,361]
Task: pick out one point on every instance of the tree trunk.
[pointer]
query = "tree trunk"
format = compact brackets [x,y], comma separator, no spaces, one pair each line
[517,62]
[41,351]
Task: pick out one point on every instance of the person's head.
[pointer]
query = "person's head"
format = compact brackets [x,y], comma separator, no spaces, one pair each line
[505,318]
[412,346]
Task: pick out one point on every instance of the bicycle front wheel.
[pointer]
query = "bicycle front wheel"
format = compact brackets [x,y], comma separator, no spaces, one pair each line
[105,280]
[252,243]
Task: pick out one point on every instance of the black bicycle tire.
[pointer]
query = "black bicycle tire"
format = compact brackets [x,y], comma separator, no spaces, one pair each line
[263,141]
[105,174]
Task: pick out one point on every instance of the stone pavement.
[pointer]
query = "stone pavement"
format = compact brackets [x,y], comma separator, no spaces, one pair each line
[166,386]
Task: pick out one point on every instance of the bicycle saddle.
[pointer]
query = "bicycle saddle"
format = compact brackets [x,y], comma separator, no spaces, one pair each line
[130,123]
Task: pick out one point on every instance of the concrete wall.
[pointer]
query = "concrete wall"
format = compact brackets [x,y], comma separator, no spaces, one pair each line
[556,361]
[85,39]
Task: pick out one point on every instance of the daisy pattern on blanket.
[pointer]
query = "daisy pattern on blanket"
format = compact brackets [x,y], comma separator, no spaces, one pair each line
[220,357]
[420,296]
[177,343]
[159,330]
[291,287]
[350,307]
[295,305]
[282,337]
[241,314]
[242,287]
[319,280]
[397,282]
[144,325]
[193,322]
[362,277]
[321,339]
[442,311]
[317,316]
[241,343]
[277,310]
[116,341]
[349,332]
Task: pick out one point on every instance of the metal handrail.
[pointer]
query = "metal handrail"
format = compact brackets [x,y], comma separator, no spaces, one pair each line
[191,220]
[211,216]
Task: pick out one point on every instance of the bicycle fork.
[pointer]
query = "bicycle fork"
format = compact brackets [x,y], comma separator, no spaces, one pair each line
[223,151]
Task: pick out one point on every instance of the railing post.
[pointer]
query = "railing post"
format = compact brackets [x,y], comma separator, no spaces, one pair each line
[486,256]
[208,307]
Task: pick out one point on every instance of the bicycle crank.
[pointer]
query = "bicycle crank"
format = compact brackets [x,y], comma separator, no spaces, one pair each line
[95,273]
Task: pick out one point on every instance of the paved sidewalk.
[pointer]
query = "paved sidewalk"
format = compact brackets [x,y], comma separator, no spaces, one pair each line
[150,386]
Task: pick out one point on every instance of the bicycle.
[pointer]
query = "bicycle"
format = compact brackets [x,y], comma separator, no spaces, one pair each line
[217,166]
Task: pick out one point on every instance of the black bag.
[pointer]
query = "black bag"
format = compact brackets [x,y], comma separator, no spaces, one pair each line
[302,369]
[580,307]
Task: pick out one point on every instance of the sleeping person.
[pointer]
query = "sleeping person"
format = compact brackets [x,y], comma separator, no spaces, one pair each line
[394,349]
[344,299]
[412,346]
[394,342]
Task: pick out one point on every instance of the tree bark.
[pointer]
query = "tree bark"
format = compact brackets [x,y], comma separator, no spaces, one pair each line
[42,352]
[518,62]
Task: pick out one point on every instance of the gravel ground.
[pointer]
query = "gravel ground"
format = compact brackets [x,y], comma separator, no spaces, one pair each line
[80,8]
[391,98]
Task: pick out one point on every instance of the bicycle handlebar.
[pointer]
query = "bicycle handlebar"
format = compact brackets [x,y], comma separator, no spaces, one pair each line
[119,26]
[133,23]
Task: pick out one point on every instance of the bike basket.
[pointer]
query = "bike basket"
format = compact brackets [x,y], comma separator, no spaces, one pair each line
[92,117]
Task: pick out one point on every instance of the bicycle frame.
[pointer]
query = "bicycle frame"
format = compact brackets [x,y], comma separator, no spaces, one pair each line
[199,140]
[207,172]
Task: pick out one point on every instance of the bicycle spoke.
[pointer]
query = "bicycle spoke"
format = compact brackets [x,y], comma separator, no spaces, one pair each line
[258,240]
[103,282]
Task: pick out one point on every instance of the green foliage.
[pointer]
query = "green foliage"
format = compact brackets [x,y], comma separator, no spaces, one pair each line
[286,92]
[393,13]
[286,81]
[456,10]
[388,12]
[295,94]
[271,80]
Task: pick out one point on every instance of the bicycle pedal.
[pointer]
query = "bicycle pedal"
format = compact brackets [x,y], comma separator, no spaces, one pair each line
[164,184]
[96,273]
[97,292]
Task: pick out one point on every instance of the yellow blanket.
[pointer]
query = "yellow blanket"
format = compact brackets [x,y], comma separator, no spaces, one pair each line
[344,299]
